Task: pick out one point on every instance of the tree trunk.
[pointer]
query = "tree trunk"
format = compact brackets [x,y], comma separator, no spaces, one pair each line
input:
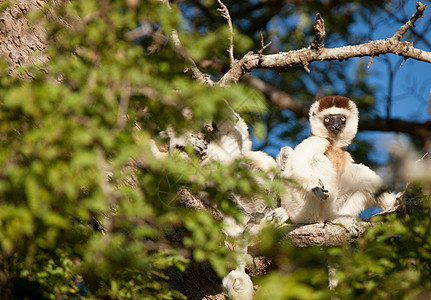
[20,42]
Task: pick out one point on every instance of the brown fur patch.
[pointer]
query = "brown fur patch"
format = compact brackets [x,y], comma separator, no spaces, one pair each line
[330,101]
[339,158]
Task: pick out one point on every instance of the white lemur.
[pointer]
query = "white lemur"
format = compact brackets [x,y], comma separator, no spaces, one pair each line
[231,141]
[225,142]
[329,185]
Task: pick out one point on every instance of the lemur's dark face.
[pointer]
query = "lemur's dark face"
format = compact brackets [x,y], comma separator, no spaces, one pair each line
[334,123]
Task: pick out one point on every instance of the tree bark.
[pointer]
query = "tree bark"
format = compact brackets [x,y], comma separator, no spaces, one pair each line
[21,42]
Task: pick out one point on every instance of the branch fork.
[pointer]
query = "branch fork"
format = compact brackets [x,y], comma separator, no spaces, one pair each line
[263,44]
[315,52]
[420,8]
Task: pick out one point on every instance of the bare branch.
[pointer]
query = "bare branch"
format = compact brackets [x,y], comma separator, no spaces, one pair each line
[305,56]
[298,57]
[305,64]
[225,14]
[420,8]
[317,43]
[181,51]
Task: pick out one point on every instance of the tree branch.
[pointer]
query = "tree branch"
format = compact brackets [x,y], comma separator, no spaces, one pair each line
[305,56]
[323,234]
[420,8]
[298,57]
[422,130]
[181,51]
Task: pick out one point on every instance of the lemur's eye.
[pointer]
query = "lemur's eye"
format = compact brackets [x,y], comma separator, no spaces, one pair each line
[326,120]
[343,119]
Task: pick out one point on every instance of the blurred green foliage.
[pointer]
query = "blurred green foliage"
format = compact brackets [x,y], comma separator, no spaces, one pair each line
[77,221]
[62,141]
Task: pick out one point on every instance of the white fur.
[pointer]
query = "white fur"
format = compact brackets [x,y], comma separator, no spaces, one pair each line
[387,200]
[309,168]
[318,128]
[155,150]
[237,285]
[276,217]
[358,184]
[232,140]
[261,160]
[349,192]
[282,158]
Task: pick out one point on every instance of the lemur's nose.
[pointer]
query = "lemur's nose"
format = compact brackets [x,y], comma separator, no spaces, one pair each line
[336,127]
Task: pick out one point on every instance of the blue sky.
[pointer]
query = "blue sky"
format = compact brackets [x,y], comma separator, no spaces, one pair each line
[411,82]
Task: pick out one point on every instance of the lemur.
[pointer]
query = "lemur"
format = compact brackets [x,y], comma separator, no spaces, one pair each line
[329,185]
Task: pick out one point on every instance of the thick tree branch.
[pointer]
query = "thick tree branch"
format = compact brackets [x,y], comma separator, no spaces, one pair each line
[323,234]
[284,60]
[305,56]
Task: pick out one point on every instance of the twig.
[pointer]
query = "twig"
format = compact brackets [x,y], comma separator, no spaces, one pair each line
[181,51]
[225,14]
[370,62]
[263,45]
[423,157]
[420,8]
[317,43]
[306,67]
